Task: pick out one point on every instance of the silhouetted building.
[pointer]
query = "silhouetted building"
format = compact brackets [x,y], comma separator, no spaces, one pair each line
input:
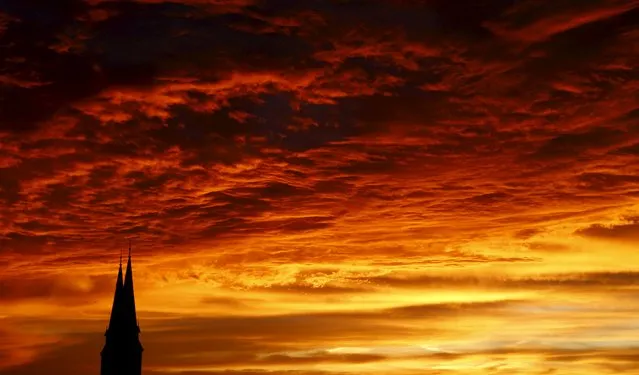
[122,352]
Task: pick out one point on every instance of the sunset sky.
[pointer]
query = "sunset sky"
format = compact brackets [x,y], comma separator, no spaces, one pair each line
[322,187]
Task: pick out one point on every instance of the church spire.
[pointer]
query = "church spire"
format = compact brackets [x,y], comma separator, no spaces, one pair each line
[129,295]
[117,308]
[122,352]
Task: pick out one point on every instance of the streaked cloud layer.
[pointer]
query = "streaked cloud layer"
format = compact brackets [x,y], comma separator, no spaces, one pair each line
[322,187]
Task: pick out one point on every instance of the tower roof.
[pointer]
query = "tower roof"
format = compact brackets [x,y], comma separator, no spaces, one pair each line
[122,351]
[123,321]
[116,309]
[128,296]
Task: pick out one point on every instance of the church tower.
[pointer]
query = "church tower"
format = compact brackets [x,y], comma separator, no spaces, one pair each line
[122,352]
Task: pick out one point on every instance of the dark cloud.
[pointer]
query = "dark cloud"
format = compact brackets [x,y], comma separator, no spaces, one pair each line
[318,150]
[578,144]
[626,232]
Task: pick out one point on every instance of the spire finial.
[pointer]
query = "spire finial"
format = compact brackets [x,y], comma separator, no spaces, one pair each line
[120,257]
[129,249]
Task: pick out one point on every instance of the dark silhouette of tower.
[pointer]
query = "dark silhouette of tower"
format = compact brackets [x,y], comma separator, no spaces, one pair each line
[122,352]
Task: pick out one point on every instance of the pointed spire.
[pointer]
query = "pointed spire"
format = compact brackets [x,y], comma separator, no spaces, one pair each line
[129,295]
[116,309]
[122,351]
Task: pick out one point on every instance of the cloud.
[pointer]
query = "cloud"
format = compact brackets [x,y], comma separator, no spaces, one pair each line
[369,173]
[626,232]
[530,22]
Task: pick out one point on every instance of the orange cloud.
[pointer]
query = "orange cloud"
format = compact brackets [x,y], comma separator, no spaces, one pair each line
[391,187]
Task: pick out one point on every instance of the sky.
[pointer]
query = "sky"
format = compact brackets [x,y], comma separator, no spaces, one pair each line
[334,187]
